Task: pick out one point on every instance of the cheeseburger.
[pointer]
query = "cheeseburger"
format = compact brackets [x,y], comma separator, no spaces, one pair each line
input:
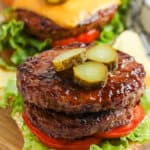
[34,26]
[68,21]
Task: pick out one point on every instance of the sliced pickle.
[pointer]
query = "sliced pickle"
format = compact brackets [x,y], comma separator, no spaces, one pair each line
[90,74]
[55,1]
[69,59]
[104,54]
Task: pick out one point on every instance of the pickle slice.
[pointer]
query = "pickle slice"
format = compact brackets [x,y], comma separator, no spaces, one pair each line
[55,1]
[69,58]
[104,54]
[90,74]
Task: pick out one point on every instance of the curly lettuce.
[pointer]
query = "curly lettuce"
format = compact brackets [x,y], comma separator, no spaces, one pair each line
[116,26]
[13,36]
[145,101]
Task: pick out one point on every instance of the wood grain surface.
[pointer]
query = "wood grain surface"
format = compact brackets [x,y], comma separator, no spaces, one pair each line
[10,136]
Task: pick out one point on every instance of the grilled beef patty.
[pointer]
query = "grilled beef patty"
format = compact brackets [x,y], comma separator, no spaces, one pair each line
[45,28]
[59,125]
[42,86]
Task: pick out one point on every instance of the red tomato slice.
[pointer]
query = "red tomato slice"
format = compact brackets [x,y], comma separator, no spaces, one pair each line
[87,37]
[125,130]
[60,144]
[84,144]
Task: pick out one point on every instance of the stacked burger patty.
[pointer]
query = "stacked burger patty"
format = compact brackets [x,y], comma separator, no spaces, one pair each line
[61,109]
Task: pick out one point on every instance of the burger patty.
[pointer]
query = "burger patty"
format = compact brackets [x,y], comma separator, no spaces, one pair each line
[42,86]
[45,28]
[59,125]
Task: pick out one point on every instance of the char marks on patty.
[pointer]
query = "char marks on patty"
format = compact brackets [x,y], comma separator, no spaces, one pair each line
[41,85]
[60,125]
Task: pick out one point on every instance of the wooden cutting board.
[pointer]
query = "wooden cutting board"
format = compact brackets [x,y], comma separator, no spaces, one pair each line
[10,136]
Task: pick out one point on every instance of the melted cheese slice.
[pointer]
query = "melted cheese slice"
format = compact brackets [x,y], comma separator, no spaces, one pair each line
[68,14]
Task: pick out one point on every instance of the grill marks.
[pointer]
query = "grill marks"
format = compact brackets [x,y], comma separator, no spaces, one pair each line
[61,109]
[60,125]
[41,85]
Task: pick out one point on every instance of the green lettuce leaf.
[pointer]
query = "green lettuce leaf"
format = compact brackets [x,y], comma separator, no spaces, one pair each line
[145,101]
[142,133]
[12,98]
[30,141]
[118,144]
[116,26]
[12,35]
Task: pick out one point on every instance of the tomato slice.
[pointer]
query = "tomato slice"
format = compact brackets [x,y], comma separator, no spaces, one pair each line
[60,144]
[84,144]
[87,37]
[125,130]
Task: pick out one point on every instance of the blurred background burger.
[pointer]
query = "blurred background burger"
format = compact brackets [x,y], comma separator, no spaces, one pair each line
[40,24]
